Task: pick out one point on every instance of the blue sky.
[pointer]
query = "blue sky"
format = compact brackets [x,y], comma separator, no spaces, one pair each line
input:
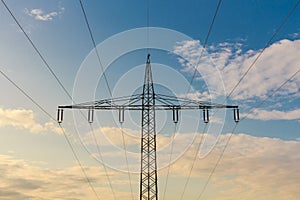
[265,144]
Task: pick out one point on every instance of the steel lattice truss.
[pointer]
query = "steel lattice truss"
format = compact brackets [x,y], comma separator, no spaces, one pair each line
[148,102]
[134,102]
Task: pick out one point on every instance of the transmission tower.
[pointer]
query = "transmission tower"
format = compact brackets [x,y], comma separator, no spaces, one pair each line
[148,102]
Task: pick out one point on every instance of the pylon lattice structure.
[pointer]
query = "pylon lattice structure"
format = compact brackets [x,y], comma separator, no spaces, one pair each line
[147,102]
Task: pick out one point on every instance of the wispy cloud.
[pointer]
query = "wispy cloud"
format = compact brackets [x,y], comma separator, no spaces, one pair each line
[40,15]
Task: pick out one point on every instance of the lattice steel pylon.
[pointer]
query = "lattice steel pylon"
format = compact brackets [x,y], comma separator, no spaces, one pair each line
[148,179]
[147,102]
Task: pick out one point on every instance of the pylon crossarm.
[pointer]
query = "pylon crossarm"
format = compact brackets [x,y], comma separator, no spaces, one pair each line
[134,102]
[133,106]
[179,99]
[185,104]
[106,104]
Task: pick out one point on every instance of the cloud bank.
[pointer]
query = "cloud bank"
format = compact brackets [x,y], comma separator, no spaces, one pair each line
[252,168]
[278,63]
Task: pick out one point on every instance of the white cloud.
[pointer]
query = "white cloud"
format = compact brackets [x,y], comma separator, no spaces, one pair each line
[222,66]
[199,96]
[278,62]
[40,15]
[25,120]
[275,115]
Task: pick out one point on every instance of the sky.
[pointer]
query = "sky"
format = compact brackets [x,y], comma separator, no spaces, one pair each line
[257,159]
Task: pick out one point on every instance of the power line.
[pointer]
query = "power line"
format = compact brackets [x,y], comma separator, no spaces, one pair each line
[217,163]
[268,96]
[265,47]
[126,157]
[38,52]
[102,161]
[233,130]
[193,77]
[95,47]
[189,87]
[36,49]
[109,90]
[41,56]
[29,97]
[78,161]
[170,159]
[204,44]
[194,161]
[244,75]
[64,133]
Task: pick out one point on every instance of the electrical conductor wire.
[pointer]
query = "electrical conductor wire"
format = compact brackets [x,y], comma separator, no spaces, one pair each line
[126,159]
[194,161]
[265,47]
[38,52]
[64,133]
[233,130]
[95,47]
[244,75]
[170,159]
[102,161]
[204,44]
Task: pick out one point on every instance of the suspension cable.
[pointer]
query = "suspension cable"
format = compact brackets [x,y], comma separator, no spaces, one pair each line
[235,127]
[102,161]
[262,102]
[37,50]
[95,46]
[78,161]
[39,53]
[204,45]
[194,161]
[64,133]
[126,157]
[265,47]
[170,160]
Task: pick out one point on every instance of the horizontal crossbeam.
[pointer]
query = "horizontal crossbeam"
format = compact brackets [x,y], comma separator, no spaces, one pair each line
[163,102]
